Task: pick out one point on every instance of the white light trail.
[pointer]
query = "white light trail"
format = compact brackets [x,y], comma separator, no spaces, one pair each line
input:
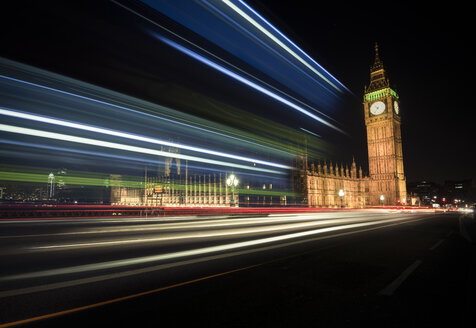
[277,41]
[247,82]
[138,112]
[113,145]
[201,234]
[230,64]
[199,251]
[288,40]
[90,128]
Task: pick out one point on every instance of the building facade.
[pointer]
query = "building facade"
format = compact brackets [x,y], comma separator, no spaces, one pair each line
[386,183]
[329,186]
[384,138]
[318,184]
[171,186]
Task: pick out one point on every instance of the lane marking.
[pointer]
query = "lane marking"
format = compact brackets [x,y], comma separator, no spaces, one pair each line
[392,287]
[119,299]
[432,248]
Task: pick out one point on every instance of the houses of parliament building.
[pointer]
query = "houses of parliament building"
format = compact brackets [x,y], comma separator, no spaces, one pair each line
[386,183]
[318,184]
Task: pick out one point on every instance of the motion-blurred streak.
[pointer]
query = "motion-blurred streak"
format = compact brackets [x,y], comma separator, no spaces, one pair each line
[157,224]
[112,145]
[249,83]
[182,122]
[268,138]
[239,30]
[74,125]
[307,59]
[276,40]
[280,240]
[56,130]
[235,67]
[214,232]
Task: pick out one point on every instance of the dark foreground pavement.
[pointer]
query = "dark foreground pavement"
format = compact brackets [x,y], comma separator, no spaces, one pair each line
[418,274]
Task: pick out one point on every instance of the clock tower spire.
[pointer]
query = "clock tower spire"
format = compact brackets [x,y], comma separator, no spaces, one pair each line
[384,141]
[378,77]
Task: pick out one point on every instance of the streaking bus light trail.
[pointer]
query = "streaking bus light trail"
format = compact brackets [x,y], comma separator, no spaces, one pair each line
[277,41]
[230,64]
[113,145]
[90,128]
[198,128]
[288,40]
[246,81]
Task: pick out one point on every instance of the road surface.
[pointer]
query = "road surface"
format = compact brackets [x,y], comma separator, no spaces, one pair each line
[343,268]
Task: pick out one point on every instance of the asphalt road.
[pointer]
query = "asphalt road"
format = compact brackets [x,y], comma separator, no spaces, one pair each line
[331,269]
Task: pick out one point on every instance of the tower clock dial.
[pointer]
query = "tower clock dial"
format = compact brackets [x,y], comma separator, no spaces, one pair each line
[377,108]
[395,107]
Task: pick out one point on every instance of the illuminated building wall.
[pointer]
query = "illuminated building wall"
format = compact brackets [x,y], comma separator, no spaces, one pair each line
[321,184]
[384,140]
[386,183]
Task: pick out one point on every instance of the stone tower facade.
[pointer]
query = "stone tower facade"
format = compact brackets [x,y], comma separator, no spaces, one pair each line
[321,184]
[325,181]
[384,139]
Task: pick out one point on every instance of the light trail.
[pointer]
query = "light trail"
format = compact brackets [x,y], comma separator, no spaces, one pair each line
[187,125]
[269,225]
[195,235]
[292,43]
[112,145]
[74,151]
[203,251]
[277,41]
[226,62]
[247,82]
[310,132]
[164,224]
[90,128]
[271,48]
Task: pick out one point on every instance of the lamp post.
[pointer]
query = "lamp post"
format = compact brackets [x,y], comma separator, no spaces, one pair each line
[232,182]
[382,197]
[341,194]
[51,187]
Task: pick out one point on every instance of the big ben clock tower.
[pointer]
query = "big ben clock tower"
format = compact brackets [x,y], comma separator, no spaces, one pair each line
[384,140]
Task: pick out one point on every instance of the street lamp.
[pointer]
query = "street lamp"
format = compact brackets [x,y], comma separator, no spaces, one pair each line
[382,197]
[341,194]
[51,187]
[232,182]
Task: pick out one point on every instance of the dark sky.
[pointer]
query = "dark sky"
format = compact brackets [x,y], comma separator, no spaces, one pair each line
[424,48]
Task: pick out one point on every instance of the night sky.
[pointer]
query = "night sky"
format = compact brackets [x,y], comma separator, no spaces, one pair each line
[424,49]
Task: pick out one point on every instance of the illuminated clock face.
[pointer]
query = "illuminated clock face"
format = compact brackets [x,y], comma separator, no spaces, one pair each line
[377,108]
[395,107]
